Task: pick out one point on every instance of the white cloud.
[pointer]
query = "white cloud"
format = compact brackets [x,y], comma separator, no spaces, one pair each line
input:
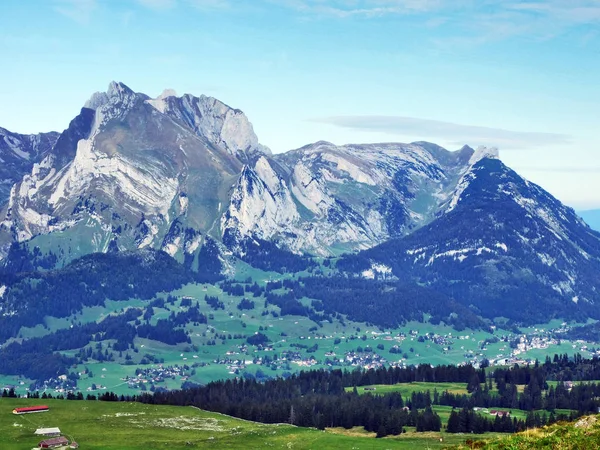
[426,129]
[78,10]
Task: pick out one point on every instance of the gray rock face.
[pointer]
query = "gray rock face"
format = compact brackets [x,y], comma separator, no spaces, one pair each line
[18,154]
[325,199]
[132,171]
[124,171]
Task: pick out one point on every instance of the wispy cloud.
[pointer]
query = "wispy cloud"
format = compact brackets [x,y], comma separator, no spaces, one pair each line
[78,10]
[212,5]
[372,8]
[157,4]
[581,11]
[572,10]
[448,131]
[483,20]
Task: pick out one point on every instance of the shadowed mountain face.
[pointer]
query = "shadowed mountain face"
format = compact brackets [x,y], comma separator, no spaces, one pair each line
[133,172]
[18,154]
[506,248]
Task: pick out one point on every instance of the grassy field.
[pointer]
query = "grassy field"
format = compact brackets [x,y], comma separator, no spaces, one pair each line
[132,426]
[406,389]
[584,434]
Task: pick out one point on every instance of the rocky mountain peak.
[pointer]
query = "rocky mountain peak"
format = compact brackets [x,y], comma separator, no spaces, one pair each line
[214,120]
[484,152]
[116,92]
[208,117]
[118,89]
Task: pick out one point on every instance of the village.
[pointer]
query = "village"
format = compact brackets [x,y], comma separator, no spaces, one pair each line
[310,348]
[157,374]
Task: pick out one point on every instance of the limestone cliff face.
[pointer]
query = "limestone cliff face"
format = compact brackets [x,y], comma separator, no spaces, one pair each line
[132,171]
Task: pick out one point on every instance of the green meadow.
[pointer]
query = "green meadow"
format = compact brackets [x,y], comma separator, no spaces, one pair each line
[133,426]
[406,389]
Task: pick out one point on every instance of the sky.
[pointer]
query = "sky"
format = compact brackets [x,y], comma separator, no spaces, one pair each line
[519,75]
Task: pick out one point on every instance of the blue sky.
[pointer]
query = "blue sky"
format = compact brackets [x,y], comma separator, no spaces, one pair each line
[520,75]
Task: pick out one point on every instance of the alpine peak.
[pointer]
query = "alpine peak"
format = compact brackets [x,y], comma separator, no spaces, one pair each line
[484,152]
[212,119]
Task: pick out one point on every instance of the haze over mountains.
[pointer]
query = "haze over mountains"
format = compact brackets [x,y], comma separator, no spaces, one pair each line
[173,173]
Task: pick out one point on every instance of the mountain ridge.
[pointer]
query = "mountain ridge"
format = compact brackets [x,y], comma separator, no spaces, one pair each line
[125,152]
[179,174]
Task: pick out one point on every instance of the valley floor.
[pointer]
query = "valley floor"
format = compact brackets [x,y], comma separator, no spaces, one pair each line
[219,349]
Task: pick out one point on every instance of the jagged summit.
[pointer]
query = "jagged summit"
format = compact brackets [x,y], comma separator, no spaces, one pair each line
[484,152]
[208,116]
[116,91]
[168,93]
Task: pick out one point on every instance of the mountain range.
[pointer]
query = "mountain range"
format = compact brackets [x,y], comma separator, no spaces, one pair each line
[176,174]
[167,172]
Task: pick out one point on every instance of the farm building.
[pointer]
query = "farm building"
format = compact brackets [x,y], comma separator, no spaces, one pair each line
[48,431]
[30,409]
[60,441]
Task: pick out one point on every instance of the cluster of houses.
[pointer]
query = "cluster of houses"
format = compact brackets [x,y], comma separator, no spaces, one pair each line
[233,365]
[59,385]
[366,360]
[281,361]
[536,339]
[156,374]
